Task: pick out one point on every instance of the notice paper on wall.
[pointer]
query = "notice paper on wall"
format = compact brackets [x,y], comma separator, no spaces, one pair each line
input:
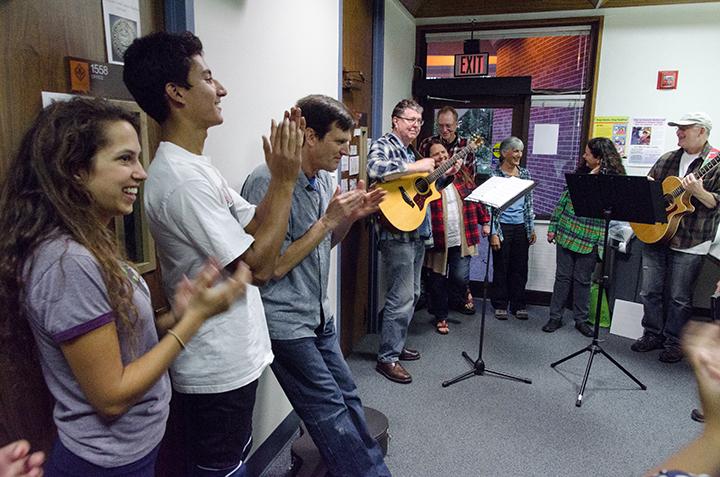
[122,26]
[646,140]
[614,128]
[354,165]
[545,139]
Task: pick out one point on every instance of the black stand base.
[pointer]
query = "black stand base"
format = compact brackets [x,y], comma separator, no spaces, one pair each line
[594,348]
[480,370]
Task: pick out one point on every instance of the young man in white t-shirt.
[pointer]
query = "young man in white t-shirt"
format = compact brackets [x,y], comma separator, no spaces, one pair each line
[195,215]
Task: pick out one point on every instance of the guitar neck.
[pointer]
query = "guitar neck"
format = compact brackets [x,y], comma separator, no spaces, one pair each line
[714,161]
[448,163]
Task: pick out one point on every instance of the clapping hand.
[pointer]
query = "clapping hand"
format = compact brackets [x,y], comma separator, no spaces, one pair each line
[16,460]
[283,150]
[200,297]
[371,201]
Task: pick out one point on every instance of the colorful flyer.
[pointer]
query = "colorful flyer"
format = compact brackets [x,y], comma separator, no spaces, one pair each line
[614,128]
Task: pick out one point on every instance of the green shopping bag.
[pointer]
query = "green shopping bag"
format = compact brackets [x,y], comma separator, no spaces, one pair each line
[604,309]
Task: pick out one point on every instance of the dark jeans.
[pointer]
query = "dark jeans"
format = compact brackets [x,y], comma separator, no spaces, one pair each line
[573,271]
[664,270]
[510,269]
[218,430]
[450,289]
[63,463]
[320,387]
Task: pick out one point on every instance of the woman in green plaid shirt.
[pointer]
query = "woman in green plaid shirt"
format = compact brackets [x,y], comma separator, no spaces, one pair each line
[577,240]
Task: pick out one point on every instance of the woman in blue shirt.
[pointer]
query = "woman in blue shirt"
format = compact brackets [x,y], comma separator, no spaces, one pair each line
[513,231]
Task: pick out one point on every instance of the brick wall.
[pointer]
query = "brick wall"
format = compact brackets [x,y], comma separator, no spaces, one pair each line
[549,170]
[554,62]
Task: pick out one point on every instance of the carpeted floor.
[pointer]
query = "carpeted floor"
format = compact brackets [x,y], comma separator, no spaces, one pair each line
[490,426]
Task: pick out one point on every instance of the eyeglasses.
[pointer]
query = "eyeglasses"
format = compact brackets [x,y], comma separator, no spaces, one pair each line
[418,121]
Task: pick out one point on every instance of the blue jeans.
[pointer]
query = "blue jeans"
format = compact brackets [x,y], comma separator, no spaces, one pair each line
[401,265]
[449,289]
[573,270]
[63,463]
[320,387]
[675,272]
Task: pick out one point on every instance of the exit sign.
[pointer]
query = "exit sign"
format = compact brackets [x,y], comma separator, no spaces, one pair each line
[471,65]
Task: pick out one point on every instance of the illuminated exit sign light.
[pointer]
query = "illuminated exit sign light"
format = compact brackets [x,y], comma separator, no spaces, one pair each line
[471,65]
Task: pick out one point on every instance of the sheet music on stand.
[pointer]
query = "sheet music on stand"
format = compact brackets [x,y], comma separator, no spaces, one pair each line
[499,192]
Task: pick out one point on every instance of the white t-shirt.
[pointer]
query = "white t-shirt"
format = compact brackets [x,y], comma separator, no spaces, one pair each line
[452,217]
[701,248]
[194,215]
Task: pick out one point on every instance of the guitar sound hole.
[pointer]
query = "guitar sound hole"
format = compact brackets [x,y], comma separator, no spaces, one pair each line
[669,201]
[422,186]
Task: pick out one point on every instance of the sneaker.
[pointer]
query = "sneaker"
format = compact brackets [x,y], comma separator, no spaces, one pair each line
[521,314]
[501,314]
[552,326]
[647,343]
[584,328]
[672,354]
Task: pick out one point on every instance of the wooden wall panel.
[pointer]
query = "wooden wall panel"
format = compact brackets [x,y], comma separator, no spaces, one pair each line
[35,36]
[354,259]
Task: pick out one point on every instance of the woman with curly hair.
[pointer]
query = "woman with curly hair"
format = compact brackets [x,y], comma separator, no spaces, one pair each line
[578,240]
[87,309]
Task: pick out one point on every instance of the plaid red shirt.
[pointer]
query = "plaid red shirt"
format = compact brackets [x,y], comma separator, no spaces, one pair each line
[473,214]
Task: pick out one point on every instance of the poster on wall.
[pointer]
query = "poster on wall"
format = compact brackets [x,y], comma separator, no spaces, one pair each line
[646,138]
[122,26]
[614,128]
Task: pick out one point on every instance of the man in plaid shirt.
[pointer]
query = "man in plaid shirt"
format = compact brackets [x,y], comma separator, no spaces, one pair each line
[675,267]
[402,253]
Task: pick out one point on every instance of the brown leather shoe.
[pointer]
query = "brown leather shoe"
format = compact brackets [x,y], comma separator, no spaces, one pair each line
[408,354]
[394,372]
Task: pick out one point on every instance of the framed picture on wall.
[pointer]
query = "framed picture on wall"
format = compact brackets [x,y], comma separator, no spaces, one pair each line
[667,79]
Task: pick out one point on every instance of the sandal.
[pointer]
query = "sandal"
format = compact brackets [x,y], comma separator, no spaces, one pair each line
[442,327]
[468,308]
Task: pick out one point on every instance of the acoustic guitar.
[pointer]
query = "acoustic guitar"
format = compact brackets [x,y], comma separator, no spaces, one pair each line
[408,197]
[677,205]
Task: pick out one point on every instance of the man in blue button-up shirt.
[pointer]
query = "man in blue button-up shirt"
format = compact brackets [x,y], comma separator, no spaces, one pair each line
[308,362]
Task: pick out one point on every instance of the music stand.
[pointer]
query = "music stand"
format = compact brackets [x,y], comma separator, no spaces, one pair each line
[478,366]
[612,197]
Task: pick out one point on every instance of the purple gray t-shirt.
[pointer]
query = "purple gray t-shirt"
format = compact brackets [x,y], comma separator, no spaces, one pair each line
[66,298]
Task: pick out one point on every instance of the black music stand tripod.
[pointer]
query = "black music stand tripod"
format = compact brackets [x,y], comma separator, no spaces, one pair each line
[611,197]
[478,365]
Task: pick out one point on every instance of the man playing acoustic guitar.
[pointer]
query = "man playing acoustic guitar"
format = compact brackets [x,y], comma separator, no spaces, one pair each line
[673,265]
[391,157]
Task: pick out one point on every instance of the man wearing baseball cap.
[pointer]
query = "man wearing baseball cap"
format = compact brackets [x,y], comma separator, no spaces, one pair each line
[672,268]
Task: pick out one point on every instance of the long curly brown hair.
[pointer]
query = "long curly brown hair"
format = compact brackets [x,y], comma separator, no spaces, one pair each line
[604,149]
[43,197]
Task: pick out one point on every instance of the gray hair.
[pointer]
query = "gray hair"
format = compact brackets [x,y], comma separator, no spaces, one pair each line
[511,143]
[406,104]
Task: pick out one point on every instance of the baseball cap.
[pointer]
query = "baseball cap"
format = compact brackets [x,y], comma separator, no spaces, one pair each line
[699,118]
